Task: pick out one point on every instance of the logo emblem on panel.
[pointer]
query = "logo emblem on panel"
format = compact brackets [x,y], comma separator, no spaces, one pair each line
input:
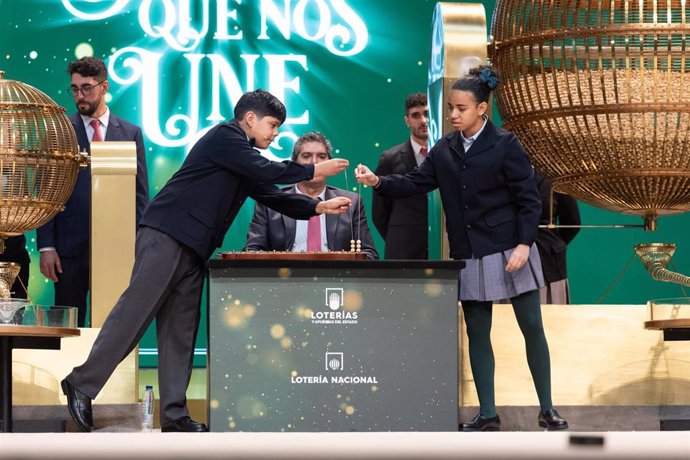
[334,298]
[334,361]
[334,313]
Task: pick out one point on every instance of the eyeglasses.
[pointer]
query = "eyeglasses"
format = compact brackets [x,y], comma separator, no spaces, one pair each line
[85,89]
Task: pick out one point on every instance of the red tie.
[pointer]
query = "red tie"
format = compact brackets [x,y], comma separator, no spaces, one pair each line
[95,124]
[314,234]
[423,151]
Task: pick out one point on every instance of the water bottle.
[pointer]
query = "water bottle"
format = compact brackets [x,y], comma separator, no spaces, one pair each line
[147,403]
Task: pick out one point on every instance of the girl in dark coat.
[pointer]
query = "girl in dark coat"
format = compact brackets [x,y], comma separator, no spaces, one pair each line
[492,214]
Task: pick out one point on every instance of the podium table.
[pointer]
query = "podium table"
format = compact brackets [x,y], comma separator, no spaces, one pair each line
[333,345]
[11,337]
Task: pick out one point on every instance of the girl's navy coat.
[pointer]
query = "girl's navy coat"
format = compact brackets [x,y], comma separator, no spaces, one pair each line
[489,195]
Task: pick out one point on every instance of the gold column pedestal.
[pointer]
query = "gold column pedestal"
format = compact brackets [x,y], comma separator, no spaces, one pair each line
[113,223]
[113,230]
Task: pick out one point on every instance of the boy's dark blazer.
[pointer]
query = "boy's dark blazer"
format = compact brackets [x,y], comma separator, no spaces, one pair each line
[201,200]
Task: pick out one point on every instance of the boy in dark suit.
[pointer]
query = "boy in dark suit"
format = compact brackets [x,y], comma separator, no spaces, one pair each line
[179,231]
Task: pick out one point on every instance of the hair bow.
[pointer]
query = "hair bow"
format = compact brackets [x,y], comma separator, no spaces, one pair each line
[488,77]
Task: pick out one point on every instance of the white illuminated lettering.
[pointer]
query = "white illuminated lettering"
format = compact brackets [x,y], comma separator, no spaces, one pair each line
[174,21]
[190,122]
[270,11]
[114,9]
[143,66]
[221,70]
[277,84]
[188,33]
[340,32]
[159,30]
[324,19]
[223,13]
[187,37]
[183,25]
[339,39]
[277,152]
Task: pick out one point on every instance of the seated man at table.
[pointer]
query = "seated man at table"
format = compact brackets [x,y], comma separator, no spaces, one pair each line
[272,231]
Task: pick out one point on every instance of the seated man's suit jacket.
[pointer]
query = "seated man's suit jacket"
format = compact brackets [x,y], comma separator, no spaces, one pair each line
[272,231]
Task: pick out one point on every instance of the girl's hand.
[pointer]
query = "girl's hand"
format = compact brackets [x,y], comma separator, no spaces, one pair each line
[518,258]
[365,176]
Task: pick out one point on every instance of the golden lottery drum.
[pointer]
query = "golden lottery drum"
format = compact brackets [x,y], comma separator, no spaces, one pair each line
[599,95]
[39,157]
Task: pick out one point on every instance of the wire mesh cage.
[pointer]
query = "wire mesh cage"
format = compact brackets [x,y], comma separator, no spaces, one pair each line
[39,157]
[599,95]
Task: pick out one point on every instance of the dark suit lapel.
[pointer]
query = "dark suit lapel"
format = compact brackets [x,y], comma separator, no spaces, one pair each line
[290,226]
[114,131]
[485,141]
[80,131]
[290,230]
[332,221]
[408,156]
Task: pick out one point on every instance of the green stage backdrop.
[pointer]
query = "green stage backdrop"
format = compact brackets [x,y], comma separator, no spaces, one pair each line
[342,67]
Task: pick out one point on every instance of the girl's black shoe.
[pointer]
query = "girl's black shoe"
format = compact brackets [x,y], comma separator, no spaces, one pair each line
[479,423]
[551,420]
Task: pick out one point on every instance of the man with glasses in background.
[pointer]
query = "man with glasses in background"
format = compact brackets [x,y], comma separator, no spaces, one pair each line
[63,242]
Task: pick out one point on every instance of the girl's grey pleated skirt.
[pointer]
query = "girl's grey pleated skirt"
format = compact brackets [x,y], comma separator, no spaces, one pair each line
[486,279]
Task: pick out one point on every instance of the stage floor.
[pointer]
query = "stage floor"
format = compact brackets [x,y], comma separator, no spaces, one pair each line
[513,445]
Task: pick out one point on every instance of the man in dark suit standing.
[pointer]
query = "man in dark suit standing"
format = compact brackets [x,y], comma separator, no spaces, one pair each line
[272,231]
[552,242]
[179,231]
[403,222]
[64,241]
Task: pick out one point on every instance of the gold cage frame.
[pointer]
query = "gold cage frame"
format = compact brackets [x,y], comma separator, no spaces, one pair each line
[39,158]
[598,92]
